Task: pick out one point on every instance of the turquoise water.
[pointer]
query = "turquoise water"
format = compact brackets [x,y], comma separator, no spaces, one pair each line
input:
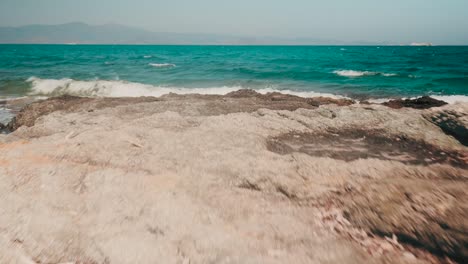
[351,71]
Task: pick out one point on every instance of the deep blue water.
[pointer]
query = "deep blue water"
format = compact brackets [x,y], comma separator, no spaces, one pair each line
[115,70]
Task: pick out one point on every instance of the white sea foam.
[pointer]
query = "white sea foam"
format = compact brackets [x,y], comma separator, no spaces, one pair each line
[147,56]
[5,115]
[352,73]
[378,100]
[389,74]
[162,65]
[301,93]
[102,88]
[452,99]
[105,88]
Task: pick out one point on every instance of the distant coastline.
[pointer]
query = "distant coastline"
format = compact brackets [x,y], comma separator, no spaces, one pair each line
[112,34]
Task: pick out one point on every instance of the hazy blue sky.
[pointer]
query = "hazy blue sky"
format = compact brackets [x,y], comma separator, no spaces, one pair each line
[400,21]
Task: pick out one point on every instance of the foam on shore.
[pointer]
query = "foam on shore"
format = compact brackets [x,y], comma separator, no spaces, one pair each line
[104,88]
[5,115]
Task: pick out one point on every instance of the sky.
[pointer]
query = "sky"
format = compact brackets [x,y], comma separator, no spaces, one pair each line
[395,21]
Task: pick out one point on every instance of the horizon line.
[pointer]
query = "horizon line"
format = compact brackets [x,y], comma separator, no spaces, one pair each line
[227,44]
[291,39]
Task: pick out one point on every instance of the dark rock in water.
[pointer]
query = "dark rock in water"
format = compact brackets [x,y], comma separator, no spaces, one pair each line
[424,102]
[4,129]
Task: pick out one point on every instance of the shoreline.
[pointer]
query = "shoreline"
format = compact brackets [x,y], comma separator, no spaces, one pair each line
[12,106]
[243,176]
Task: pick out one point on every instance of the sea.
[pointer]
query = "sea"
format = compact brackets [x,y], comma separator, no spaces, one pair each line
[374,73]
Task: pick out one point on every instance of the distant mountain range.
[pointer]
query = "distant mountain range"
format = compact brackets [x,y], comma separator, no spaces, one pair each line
[81,33]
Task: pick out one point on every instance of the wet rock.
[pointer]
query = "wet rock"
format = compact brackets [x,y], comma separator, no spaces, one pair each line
[424,102]
[4,129]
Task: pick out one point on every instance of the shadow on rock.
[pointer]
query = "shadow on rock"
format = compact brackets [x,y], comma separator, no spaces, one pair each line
[349,145]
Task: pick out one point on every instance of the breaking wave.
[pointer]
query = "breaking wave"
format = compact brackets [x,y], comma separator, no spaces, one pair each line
[451,99]
[117,88]
[352,73]
[162,65]
[105,88]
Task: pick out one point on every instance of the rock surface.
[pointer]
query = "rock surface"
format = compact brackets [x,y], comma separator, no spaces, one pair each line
[238,101]
[453,121]
[426,213]
[240,178]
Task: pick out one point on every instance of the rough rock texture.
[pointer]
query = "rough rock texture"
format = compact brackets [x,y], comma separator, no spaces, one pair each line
[424,102]
[229,179]
[317,101]
[353,144]
[28,115]
[453,121]
[429,213]
[238,101]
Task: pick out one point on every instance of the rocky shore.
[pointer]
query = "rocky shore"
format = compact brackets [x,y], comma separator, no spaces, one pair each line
[239,178]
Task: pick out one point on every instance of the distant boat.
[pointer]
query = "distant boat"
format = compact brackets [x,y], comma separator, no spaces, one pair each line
[424,44]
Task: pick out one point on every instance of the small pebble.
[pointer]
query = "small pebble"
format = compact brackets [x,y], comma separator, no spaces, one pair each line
[409,255]
[386,246]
